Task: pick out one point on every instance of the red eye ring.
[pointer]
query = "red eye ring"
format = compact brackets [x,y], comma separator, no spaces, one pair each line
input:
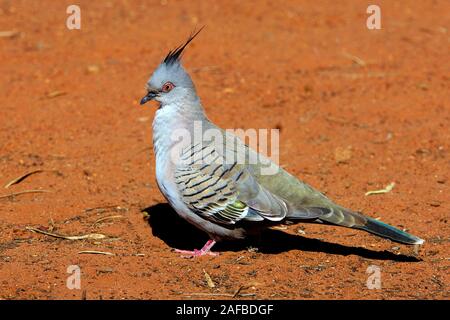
[168,86]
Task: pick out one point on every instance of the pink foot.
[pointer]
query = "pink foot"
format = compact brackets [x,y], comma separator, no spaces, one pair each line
[198,253]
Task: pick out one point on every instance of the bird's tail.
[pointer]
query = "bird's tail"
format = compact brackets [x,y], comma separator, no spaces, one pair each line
[347,218]
[387,231]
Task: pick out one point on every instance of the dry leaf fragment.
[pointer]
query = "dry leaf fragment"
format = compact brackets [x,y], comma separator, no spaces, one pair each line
[209,280]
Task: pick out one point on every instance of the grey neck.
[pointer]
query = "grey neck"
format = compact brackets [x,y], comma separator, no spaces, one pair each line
[172,120]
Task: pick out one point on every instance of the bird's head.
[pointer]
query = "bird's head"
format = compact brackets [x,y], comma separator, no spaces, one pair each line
[170,83]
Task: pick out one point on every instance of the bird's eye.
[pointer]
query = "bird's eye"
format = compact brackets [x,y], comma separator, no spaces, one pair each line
[167,87]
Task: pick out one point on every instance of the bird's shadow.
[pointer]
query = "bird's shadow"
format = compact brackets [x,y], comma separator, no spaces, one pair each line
[178,233]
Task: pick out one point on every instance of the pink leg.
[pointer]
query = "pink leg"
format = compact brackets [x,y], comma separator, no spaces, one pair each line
[198,253]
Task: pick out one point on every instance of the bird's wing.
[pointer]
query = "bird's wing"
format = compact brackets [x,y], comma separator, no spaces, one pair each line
[225,191]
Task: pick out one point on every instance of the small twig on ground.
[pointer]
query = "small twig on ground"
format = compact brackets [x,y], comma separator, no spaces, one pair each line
[107,218]
[55,94]
[91,236]
[360,62]
[209,294]
[24,192]
[52,225]
[21,178]
[388,188]
[238,291]
[250,285]
[9,33]
[104,208]
[96,252]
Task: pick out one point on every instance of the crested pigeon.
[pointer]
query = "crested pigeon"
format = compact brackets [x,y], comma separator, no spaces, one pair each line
[206,184]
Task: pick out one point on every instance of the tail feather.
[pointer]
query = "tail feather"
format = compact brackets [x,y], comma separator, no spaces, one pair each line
[345,218]
[387,231]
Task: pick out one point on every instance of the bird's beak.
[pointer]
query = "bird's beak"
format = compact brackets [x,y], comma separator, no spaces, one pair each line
[150,96]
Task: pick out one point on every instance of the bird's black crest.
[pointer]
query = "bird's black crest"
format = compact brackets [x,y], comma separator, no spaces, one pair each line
[175,54]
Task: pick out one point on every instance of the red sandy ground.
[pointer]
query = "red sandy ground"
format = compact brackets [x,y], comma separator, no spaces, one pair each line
[260,64]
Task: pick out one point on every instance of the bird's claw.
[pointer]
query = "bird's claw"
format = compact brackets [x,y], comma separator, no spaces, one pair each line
[195,253]
[206,250]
